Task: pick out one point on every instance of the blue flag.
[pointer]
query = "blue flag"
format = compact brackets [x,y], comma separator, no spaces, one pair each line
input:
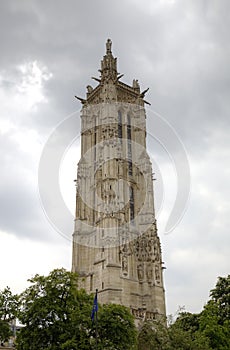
[95,307]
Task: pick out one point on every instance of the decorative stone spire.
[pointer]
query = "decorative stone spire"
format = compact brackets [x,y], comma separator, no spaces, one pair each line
[110,88]
[108,65]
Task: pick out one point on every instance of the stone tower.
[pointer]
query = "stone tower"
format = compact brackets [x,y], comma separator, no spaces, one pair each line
[116,247]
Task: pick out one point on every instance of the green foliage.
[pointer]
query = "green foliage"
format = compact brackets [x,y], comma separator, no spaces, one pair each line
[205,331]
[211,328]
[184,333]
[5,331]
[215,318]
[221,296]
[214,327]
[188,321]
[153,335]
[8,312]
[116,329]
[56,315]
[157,336]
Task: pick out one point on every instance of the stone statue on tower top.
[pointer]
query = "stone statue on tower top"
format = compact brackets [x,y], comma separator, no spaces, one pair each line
[108,46]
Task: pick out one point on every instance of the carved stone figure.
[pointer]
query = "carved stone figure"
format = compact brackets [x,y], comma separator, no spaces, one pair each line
[89,88]
[108,46]
[124,264]
[149,272]
[156,252]
[136,84]
[140,272]
[157,273]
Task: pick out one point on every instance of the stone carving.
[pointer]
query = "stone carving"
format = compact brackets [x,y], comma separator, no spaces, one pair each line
[143,314]
[138,313]
[89,88]
[143,253]
[157,273]
[108,195]
[150,316]
[108,46]
[136,84]
[140,272]
[149,272]
[124,264]
[156,252]
[109,132]
[147,248]
[109,90]
[124,259]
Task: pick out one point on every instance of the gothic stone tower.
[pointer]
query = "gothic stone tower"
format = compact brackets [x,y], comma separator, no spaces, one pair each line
[116,247]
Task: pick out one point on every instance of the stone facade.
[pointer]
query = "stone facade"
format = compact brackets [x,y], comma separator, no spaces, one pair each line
[116,248]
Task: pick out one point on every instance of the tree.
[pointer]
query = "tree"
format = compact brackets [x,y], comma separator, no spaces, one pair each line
[214,320]
[156,335]
[153,335]
[215,328]
[8,312]
[209,329]
[116,329]
[56,315]
[184,333]
[221,296]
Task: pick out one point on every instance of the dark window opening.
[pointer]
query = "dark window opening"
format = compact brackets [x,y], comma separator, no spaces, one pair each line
[131,203]
[129,127]
[120,125]
[91,283]
[130,167]
[129,146]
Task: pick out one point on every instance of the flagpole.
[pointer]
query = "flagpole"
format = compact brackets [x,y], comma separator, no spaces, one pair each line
[94,316]
[96,322]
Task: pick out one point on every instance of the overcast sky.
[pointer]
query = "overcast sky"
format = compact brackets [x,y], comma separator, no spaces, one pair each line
[180,50]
